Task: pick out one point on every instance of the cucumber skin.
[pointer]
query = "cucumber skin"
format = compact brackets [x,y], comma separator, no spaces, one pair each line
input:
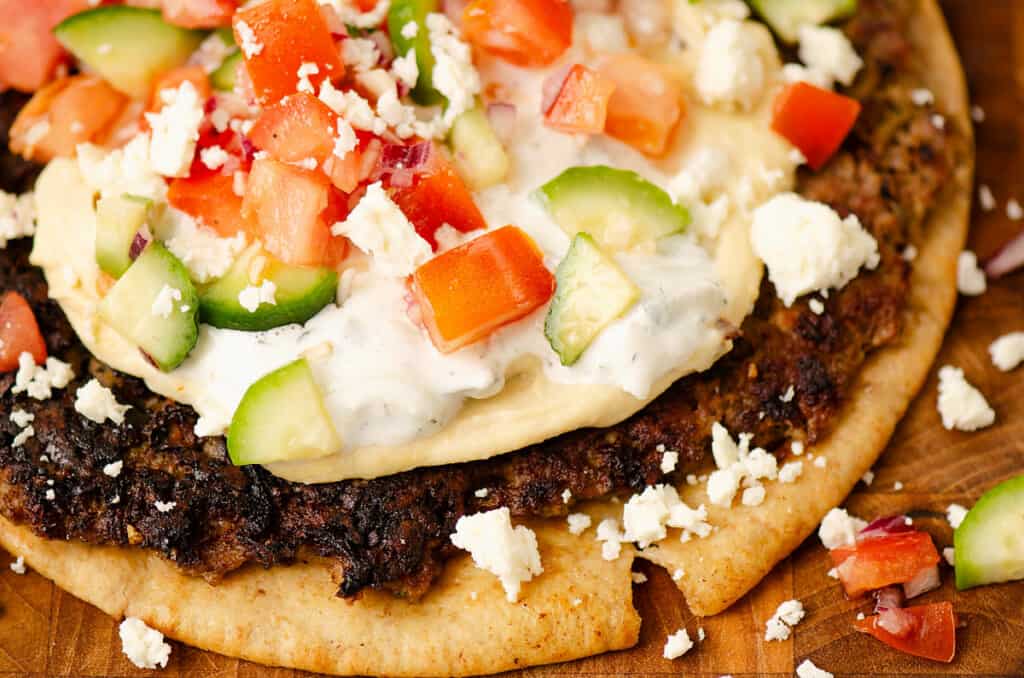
[223,79]
[79,34]
[219,305]
[401,13]
[996,500]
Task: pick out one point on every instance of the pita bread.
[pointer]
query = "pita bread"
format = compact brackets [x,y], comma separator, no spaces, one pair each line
[581,605]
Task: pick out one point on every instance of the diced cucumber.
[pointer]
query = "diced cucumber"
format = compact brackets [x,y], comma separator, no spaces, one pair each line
[282,417]
[989,543]
[479,156]
[223,79]
[118,220]
[301,293]
[130,307]
[402,13]
[130,47]
[619,208]
[787,16]
[592,291]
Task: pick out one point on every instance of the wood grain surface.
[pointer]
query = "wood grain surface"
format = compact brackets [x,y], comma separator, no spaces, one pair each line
[45,632]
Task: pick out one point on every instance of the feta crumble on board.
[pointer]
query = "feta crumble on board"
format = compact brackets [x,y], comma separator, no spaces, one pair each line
[481,493]
[677,644]
[955,514]
[897,486]
[839,528]
[1014,211]
[175,130]
[788,615]
[960,404]
[827,51]
[970,279]
[578,522]
[808,670]
[165,506]
[252,297]
[351,16]
[808,247]
[113,469]
[1007,351]
[378,227]
[18,566]
[986,199]
[17,216]
[821,462]
[38,381]
[566,495]
[669,460]
[509,553]
[98,403]
[144,646]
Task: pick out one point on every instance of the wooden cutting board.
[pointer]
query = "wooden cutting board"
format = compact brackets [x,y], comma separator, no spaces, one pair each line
[45,632]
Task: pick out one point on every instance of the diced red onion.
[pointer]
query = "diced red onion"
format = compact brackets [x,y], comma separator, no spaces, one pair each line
[210,106]
[371,154]
[883,527]
[384,47]
[888,598]
[401,163]
[552,86]
[248,150]
[1008,259]
[896,621]
[503,120]
[142,238]
[924,581]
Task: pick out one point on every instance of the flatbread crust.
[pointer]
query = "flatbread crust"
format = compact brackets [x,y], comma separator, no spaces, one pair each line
[582,604]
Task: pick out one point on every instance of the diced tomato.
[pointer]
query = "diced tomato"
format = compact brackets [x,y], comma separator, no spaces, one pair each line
[581,106]
[19,332]
[280,36]
[173,78]
[881,561]
[927,631]
[438,196]
[529,33]
[211,200]
[285,207]
[29,54]
[645,107]
[199,13]
[63,114]
[472,290]
[814,120]
[345,173]
[298,127]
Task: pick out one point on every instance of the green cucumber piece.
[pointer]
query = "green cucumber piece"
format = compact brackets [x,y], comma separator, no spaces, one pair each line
[479,156]
[282,417]
[619,208]
[787,16]
[301,293]
[989,544]
[128,307]
[118,220]
[592,291]
[400,14]
[130,47]
[223,79]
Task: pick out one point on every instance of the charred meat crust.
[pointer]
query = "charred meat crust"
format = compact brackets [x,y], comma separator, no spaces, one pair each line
[392,533]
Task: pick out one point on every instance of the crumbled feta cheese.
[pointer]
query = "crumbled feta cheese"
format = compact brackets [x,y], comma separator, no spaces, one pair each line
[646,516]
[351,16]
[909,253]
[1007,351]
[481,493]
[950,555]
[807,247]
[798,73]
[454,74]
[211,53]
[17,216]
[123,170]
[922,97]
[305,70]
[23,435]
[410,30]
[898,485]
[165,506]
[723,448]
[955,514]
[639,577]
[753,496]
[250,45]
[731,65]
[669,460]
[706,171]
[113,469]
[977,114]
[378,227]
[360,53]
[808,670]
[868,477]
[38,381]
[788,615]
[144,647]
[405,69]
[797,447]
[986,199]
[346,141]
[566,495]
[789,394]
[163,305]
[736,463]
[608,533]
[677,644]
[722,487]
[214,157]
[220,119]
[354,108]
[791,471]
[821,462]
[938,121]
[828,51]
[18,566]
[816,305]
[175,130]
[839,528]
[98,403]
[50,494]
[833,573]
[960,404]
[252,297]
[206,255]
[21,418]
[578,522]
[970,279]
[678,574]
[510,554]
[1013,210]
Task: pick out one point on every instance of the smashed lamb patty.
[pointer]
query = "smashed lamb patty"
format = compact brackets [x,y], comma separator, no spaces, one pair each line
[393,533]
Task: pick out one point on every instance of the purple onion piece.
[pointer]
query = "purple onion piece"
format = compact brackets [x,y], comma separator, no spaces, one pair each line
[398,156]
[248,149]
[142,238]
[149,359]
[890,597]
[1008,259]
[883,527]
[924,581]
[383,43]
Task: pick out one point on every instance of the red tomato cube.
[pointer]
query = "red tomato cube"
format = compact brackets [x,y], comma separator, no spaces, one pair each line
[298,127]
[645,107]
[581,106]
[878,562]
[19,332]
[814,120]
[529,33]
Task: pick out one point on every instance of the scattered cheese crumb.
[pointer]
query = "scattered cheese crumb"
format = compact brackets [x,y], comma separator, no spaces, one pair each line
[677,644]
[639,578]
[405,69]
[731,67]
[646,516]
[23,436]
[50,494]
[970,279]
[39,380]
[977,114]
[213,157]
[481,493]
[175,130]
[821,462]
[165,506]
[960,404]
[986,200]
[753,496]
[1007,351]
[669,460]
[860,616]
[378,227]
[21,418]
[922,97]
[955,514]
[833,573]
[144,647]
[509,553]
[950,555]
[163,305]
[736,463]
[305,70]
[828,51]
[839,528]
[788,615]
[410,30]
[18,566]
[578,522]
[113,469]
[454,75]
[611,537]
[797,447]
[1013,210]
[909,253]
[868,478]
[808,670]
[678,574]
[252,297]
[789,394]
[250,45]
[791,471]
[98,403]
[700,634]
[566,495]
[898,486]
